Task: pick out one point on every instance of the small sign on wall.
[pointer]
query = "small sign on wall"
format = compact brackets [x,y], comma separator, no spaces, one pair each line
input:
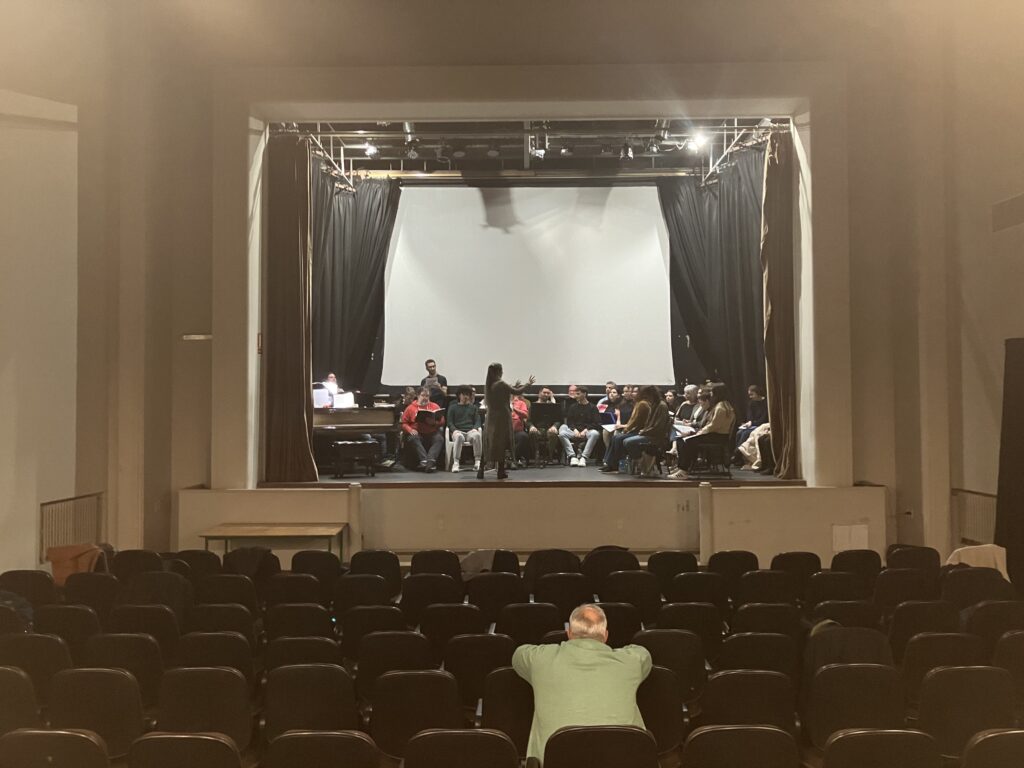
[846,537]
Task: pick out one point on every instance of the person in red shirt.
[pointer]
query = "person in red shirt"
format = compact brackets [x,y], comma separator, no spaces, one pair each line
[521,428]
[425,433]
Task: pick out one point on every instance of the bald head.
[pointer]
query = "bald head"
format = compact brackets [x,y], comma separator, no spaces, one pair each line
[588,621]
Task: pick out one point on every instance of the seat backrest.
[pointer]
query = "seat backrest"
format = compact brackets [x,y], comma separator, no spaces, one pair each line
[703,619]
[866,563]
[679,651]
[915,616]
[1009,654]
[760,650]
[638,588]
[362,620]
[172,750]
[991,619]
[202,699]
[740,746]
[508,706]
[853,696]
[130,562]
[780,618]
[300,650]
[880,748]
[905,556]
[156,620]
[624,621]
[849,613]
[958,702]
[405,703]
[292,588]
[202,563]
[382,562]
[422,589]
[545,561]
[491,592]
[97,590]
[995,748]
[222,588]
[217,649]
[599,563]
[660,700]
[35,586]
[750,697]
[18,706]
[324,565]
[258,563]
[835,585]
[799,565]
[606,746]
[965,587]
[929,650]
[75,624]
[382,652]
[896,585]
[29,748]
[666,564]
[223,617]
[733,563]
[298,620]
[135,652]
[505,561]
[442,621]
[104,701]
[303,749]
[309,697]
[470,658]
[39,656]
[566,590]
[766,587]
[354,589]
[700,587]
[437,561]
[845,645]
[528,622]
[467,748]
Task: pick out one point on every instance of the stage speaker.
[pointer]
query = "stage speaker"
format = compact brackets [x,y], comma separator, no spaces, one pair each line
[1010,501]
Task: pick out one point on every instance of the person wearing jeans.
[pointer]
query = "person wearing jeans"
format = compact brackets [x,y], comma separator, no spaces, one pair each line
[464,424]
[424,434]
[581,421]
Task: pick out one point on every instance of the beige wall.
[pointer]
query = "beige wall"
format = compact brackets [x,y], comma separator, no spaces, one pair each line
[929,115]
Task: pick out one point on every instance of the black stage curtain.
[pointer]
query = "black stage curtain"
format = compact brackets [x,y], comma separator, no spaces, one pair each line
[353,232]
[779,309]
[715,276]
[289,403]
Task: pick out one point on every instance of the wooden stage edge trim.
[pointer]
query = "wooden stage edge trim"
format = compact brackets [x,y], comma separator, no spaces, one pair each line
[343,485]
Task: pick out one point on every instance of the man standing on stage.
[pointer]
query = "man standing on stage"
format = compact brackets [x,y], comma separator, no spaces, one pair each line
[436,383]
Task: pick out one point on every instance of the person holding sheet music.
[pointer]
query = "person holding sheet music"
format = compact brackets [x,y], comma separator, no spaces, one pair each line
[423,425]
[436,383]
[498,433]
[717,429]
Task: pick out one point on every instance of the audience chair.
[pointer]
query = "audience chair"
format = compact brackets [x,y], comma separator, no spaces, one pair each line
[995,748]
[865,563]
[470,658]
[703,619]
[638,588]
[834,585]
[475,748]
[930,650]
[74,624]
[1009,654]
[442,621]
[700,587]
[491,592]
[849,613]
[898,585]
[732,564]
[916,616]
[749,697]
[180,567]
[202,563]
[298,620]
[136,653]
[217,649]
[39,656]
[740,746]
[10,621]
[29,748]
[309,697]
[160,588]
[667,564]
[284,588]
[777,618]
[969,586]
[437,561]
[989,620]
[363,619]
[223,617]
[355,589]
[766,587]
[382,652]
[18,706]
[422,589]
[545,561]
[305,749]
[287,651]
[554,637]
[505,561]
[104,701]
[223,588]
[679,651]
[158,621]
[383,563]
[852,696]
[623,623]
[405,703]
[203,699]
[175,750]
[660,701]
[906,556]
[880,748]
[128,563]
[258,563]
[760,650]
[599,563]
[565,590]
[845,645]
[800,566]
[35,586]
[528,622]
[605,746]
[508,706]
[324,566]
[958,702]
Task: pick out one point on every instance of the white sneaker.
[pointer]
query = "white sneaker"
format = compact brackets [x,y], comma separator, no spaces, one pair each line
[455,466]
[574,462]
[583,461]
[476,466]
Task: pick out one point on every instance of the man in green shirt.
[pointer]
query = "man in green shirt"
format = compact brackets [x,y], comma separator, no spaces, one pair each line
[581,681]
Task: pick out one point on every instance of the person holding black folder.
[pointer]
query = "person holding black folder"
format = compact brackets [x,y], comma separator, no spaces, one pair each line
[498,426]
[422,425]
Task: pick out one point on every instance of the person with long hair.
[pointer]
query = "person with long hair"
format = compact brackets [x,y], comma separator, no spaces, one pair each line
[498,426]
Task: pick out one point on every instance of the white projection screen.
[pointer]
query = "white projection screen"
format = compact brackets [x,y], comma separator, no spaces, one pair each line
[569,284]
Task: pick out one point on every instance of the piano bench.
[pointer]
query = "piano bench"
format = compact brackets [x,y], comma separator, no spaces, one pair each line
[348,454]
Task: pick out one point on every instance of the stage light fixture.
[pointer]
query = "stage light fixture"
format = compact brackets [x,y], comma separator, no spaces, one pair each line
[700,139]
[539,145]
[565,151]
[606,150]
[412,149]
[493,151]
[626,153]
[653,147]
[371,149]
[691,145]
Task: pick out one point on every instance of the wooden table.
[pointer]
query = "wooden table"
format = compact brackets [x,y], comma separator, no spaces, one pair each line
[231,531]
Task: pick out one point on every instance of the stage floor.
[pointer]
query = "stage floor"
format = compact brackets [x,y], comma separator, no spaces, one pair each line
[532,476]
